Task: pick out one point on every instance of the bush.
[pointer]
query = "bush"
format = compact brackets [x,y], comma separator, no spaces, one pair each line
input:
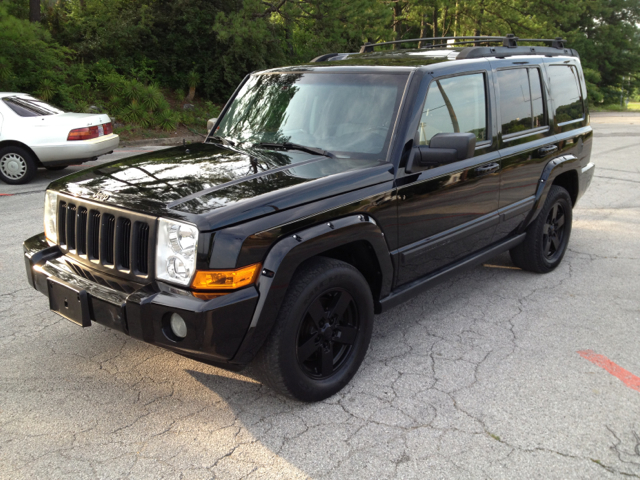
[29,56]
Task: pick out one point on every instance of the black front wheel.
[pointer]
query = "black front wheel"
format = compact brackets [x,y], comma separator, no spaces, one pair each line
[548,236]
[322,332]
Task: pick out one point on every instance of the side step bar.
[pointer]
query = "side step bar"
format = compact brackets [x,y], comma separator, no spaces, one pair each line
[416,287]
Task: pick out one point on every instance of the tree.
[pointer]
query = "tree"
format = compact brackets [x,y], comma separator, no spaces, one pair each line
[34,10]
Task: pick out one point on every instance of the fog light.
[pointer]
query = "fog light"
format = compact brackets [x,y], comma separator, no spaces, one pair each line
[178,326]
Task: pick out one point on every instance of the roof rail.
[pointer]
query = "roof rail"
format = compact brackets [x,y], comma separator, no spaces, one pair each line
[330,57]
[509,41]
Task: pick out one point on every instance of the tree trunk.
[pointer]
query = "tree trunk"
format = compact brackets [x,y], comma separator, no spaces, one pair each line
[397,23]
[455,26]
[421,31]
[435,23]
[397,13]
[34,10]
[478,30]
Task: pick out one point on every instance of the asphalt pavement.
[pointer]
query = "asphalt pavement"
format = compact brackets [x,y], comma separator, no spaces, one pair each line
[480,377]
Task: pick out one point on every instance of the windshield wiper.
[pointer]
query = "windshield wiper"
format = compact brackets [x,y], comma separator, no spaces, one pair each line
[224,141]
[295,146]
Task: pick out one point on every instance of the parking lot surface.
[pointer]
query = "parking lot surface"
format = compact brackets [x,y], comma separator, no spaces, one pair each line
[479,377]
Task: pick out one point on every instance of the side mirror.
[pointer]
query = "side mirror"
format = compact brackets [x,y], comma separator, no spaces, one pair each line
[210,123]
[444,148]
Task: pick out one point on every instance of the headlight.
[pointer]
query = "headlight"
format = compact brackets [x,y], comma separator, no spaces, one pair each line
[51,216]
[176,251]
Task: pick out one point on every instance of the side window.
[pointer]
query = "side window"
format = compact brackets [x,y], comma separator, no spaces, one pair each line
[521,100]
[455,105]
[565,88]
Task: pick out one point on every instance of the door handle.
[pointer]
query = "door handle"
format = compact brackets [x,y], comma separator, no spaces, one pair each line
[488,168]
[544,151]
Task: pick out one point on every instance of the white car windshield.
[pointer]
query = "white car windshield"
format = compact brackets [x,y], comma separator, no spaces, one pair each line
[30,107]
[346,114]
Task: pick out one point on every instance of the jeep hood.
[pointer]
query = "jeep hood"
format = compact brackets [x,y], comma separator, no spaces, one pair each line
[187,182]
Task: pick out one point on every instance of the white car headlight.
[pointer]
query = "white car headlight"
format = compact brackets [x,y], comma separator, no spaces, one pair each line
[176,251]
[51,216]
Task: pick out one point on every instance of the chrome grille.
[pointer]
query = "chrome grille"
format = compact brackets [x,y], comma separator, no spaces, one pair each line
[143,242]
[71,226]
[123,232]
[82,231]
[94,236]
[106,238]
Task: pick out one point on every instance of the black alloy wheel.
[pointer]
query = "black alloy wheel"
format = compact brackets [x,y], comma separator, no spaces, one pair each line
[322,331]
[553,233]
[327,333]
[548,236]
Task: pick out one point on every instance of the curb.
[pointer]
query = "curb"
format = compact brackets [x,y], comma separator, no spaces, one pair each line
[615,114]
[161,141]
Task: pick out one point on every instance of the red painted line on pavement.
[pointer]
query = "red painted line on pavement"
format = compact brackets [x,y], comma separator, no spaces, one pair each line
[6,194]
[628,378]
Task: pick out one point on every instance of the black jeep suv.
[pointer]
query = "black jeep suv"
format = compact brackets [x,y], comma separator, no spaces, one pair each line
[323,194]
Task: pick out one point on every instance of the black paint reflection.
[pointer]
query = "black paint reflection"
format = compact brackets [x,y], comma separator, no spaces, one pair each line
[207,178]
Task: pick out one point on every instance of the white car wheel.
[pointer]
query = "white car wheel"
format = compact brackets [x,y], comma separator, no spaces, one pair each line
[13,166]
[16,165]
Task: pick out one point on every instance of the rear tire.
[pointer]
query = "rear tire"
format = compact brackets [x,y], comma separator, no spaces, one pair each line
[548,236]
[17,165]
[321,334]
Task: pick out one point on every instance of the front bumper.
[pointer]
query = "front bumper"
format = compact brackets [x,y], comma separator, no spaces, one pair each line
[215,328]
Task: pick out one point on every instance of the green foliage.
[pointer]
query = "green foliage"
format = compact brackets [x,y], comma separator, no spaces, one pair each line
[47,88]
[16,8]
[28,54]
[592,78]
[168,120]
[193,78]
[121,55]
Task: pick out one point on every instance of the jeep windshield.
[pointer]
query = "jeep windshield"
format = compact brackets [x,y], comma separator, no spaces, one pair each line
[347,115]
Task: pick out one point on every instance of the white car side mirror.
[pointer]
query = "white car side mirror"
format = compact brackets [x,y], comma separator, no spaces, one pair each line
[210,123]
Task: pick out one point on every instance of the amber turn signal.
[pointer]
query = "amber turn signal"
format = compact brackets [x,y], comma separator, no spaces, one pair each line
[226,279]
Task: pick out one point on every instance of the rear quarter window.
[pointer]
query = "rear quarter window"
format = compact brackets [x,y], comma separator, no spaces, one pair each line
[565,90]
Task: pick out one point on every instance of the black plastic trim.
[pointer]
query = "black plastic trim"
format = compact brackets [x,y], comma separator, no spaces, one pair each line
[416,287]
[287,255]
[410,252]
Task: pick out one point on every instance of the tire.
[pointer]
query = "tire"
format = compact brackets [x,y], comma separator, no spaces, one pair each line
[56,168]
[548,236]
[311,353]
[17,165]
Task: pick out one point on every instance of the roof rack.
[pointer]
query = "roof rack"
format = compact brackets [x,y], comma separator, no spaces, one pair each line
[508,48]
[509,41]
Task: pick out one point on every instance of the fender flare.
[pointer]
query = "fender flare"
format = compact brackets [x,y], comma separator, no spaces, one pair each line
[551,170]
[286,256]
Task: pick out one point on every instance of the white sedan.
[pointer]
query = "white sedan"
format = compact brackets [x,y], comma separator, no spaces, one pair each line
[34,134]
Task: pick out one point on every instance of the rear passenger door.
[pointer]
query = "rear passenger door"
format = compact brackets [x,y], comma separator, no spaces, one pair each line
[527,142]
[449,211]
